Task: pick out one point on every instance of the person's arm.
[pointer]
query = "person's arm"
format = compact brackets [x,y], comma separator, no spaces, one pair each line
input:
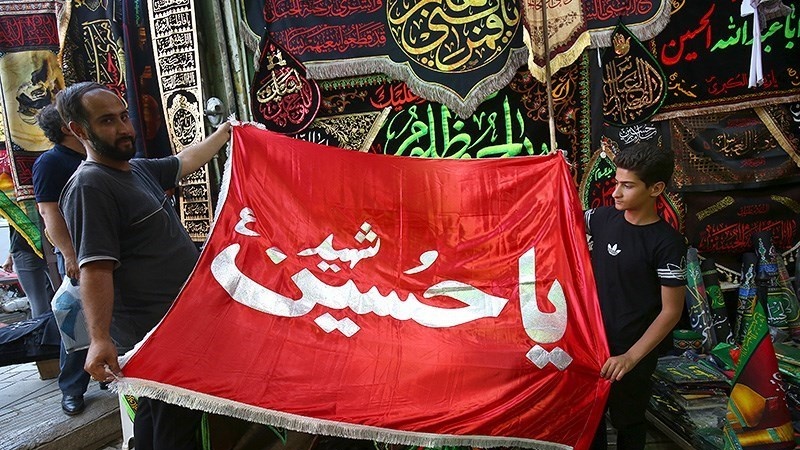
[57,232]
[194,157]
[8,266]
[97,298]
[672,298]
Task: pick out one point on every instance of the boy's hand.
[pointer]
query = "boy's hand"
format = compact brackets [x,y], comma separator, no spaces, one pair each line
[616,367]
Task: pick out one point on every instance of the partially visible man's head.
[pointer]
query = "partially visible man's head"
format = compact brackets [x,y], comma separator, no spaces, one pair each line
[95,114]
[70,101]
[650,163]
[49,120]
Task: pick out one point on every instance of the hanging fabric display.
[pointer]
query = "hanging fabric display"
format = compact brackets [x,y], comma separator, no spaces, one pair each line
[735,150]
[645,18]
[30,76]
[430,286]
[510,122]
[567,34]
[634,86]
[12,210]
[449,53]
[92,47]
[282,97]
[353,110]
[704,53]
[723,223]
[177,64]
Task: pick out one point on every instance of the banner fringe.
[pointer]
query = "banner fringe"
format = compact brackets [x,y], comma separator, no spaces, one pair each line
[561,60]
[463,107]
[642,31]
[214,405]
[725,108]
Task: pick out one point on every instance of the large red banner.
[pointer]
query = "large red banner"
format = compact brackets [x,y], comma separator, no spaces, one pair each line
[417,301]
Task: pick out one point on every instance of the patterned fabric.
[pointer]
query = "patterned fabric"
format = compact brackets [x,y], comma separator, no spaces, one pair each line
[355,131]
[365,94]
[724,222]
[757,416]
[697,303]
[645,18]
[427,285]
[12,210]
[92,49]
[281,95]
[354,110]
[735,150]
[510,122]
[446,52]
[719,310]
[634,86]
[29,78]
[177,64]
[571,98]
[566,29]
[703,49]
[253,26]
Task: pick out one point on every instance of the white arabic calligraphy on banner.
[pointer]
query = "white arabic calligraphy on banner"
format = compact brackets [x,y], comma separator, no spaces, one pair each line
[540,326]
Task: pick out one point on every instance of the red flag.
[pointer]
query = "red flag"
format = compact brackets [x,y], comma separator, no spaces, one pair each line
[406,300]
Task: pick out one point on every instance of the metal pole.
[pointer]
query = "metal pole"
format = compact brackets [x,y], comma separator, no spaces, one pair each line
[546,41]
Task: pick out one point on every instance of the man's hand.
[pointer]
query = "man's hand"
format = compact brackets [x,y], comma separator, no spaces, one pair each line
[101,361]
[72,269]
[616,367]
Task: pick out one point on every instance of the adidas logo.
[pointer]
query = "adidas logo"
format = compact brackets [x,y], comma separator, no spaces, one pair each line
[612,250]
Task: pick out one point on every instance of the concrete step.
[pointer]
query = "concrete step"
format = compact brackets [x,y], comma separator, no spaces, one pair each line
[31,416]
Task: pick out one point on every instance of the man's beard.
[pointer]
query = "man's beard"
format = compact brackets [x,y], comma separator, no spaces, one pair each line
[113,151]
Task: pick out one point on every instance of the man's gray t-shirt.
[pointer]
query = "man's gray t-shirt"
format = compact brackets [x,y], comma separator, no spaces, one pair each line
[126,217]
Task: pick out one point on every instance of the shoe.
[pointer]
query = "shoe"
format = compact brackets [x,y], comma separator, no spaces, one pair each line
[72,404]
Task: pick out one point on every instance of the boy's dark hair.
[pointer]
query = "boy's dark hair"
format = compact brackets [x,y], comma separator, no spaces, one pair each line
[49,120]
[650,163]
[69,101]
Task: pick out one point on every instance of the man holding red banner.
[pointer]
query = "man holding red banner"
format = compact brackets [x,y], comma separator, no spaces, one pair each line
[640,306]
[133,252]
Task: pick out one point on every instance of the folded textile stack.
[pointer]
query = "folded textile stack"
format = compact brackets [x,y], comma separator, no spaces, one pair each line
[690,397]
[788,355]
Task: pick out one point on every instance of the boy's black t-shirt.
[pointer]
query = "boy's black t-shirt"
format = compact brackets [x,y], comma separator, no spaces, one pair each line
[631,263]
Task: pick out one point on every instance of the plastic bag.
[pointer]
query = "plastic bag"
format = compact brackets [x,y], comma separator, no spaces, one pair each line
[68,311]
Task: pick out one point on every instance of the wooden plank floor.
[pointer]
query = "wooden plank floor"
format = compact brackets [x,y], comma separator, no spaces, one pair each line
[656,440]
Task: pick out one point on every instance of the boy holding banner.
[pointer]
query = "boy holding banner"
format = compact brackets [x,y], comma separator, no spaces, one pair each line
[640,271]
